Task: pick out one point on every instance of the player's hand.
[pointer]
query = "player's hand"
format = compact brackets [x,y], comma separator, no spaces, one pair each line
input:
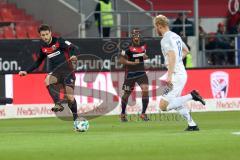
[169,80]
[137,61]
[145,57]
[22,73]
[73,58]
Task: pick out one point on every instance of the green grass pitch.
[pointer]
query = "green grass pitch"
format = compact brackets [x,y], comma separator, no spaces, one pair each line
[109,139]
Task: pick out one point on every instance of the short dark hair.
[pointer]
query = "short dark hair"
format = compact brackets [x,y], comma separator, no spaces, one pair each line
[44,27]
[136,32]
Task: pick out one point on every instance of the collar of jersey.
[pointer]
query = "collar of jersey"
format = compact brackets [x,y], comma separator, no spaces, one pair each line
[166,33]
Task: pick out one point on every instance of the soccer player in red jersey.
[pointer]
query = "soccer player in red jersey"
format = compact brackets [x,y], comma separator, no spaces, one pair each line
[133,59]
[60,53]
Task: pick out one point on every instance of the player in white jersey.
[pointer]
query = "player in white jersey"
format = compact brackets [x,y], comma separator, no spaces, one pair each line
[174,50]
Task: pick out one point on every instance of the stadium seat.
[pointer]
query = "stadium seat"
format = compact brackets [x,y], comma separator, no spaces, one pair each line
[3,1]
[1,33]
[21,32]
[25,25]
[32,32]
[8,33]
[1,36]
[19,15]
[6,15]
[20,18]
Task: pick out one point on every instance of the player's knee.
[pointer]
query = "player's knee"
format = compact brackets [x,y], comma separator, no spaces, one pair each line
[145,93]
[70,98]
[46,81]
[125,96]
[163,105]
[144,88]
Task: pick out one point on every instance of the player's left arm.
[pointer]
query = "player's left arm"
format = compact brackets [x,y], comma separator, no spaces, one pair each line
[123,59]
[145,57]
[185,50]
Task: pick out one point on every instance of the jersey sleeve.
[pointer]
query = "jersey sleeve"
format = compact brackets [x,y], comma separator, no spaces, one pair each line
[184,45]
[168,45]
[37,63]
[67,45]
[124,53]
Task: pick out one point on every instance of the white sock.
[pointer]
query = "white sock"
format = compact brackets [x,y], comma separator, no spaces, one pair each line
[175,103]
[183,111]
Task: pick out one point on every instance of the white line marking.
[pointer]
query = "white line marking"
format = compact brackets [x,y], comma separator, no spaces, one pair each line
[236,133]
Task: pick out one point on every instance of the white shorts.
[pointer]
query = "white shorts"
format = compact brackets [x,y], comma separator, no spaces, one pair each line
[178,81]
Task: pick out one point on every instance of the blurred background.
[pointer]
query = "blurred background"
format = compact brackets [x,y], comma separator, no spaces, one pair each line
[209,27]
[100,28]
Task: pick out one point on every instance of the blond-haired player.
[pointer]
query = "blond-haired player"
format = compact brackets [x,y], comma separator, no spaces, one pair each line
[174,49]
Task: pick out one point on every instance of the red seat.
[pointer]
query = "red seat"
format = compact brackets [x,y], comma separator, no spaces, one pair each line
[1,35]
[21,23]
[8,33]
[3,1]
[29,18]
[25,25]
[7,15]
[19,15]
[21,32]
[32,32]
[19,18]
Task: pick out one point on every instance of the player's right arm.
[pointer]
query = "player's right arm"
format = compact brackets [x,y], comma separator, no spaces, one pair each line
[171,65]
[123,60]
[34,66]
[168,46]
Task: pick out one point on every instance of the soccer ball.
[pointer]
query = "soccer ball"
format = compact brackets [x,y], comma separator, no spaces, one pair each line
[81,125]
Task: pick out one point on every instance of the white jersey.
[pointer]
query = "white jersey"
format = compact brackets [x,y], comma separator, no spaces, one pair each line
[173,42]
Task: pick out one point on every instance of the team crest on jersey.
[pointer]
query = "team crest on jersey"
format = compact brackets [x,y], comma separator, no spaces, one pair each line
[54,47]
[219,84]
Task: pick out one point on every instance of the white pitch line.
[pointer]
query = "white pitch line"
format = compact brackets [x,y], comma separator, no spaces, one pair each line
[236,133]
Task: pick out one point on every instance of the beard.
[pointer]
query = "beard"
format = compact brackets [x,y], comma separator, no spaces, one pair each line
[136,42]
[48,41]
